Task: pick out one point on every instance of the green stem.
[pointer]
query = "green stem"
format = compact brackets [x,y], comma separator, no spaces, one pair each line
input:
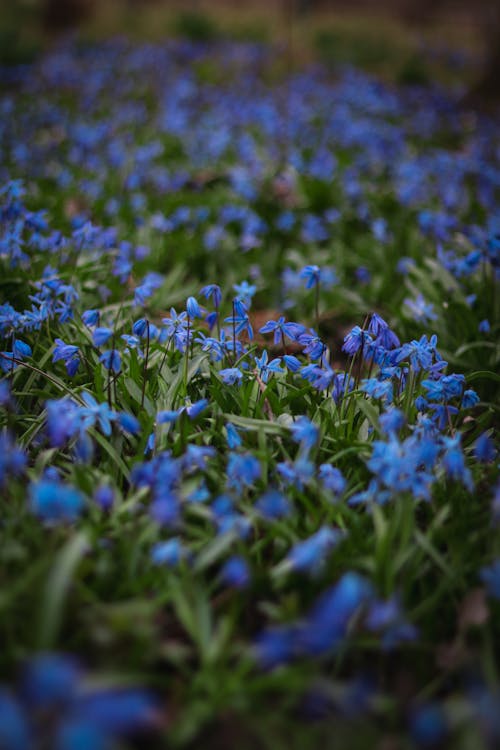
[145,368]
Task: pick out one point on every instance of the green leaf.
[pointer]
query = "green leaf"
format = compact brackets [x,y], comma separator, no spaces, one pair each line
[485,374]
[214,550]
[57,588]
[259,425]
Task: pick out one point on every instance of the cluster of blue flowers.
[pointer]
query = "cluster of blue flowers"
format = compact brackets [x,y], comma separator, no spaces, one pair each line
[57,704]
[220,372]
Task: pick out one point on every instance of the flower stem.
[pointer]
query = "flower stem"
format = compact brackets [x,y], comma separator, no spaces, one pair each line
[145,369]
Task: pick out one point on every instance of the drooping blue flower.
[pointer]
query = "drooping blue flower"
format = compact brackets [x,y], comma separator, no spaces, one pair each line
[316,276]
[101,336]
[292,362]
[111,360]
[90,318]
[469,399]
[193,309]
[68,353]
[484,448]
[128,423]
[355,340]
[213,292]
[233,436]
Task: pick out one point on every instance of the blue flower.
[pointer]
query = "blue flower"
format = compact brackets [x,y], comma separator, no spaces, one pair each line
[240,319]
[15,733]
[176,328]
[214,292]
[243,470]
[233,436]
[332,479]
[469,399]
[422,311]
[273,504]
[484,326]
[282,329]
[420,353]
[50,681]
[140,327]
[355,340]
[194,410]
[90,318]
[428,725]
[56,502]
[316,276]
[68,353]
[231,376]
[104,496]
[484,448]
[111,360]
[312,344]
[454,462]
[305,432]
[275,646]
[13,459]
[296,474]
[129,423]
[193,309]
[327,622]
[21,349]
[391,421]
[235,572]
[309,555]
[93,413]
[101,336]
[266,367]
[382,389]
[245,292]
[490,576]
[168,553]
[292,362]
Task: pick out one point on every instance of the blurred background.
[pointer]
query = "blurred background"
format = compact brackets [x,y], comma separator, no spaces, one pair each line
[408,41]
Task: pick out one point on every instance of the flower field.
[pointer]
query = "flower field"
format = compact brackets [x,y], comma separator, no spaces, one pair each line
[249,389]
